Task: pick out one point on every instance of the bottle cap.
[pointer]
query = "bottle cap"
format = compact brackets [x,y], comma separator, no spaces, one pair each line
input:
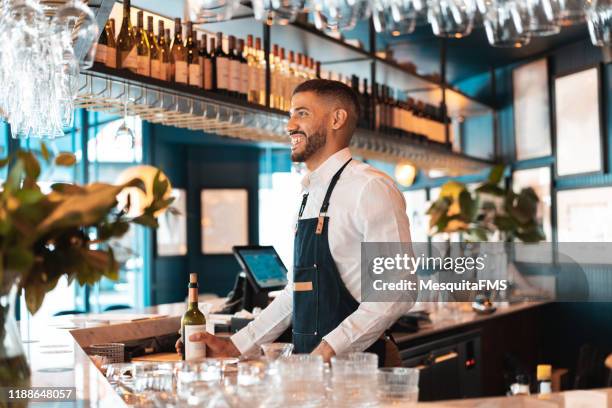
[193,278]
[544,372]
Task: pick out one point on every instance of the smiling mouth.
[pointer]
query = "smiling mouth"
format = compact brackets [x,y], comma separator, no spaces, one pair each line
[296,139]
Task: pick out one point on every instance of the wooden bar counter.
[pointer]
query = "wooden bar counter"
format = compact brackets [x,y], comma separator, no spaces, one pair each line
[55,353]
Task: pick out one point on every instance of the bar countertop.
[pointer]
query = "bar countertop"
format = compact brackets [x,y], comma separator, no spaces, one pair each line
[58,360]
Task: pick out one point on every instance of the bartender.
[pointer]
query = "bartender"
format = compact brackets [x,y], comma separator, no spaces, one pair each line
[344,203]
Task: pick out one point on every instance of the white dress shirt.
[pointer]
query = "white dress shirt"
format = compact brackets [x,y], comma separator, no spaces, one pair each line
[365,206]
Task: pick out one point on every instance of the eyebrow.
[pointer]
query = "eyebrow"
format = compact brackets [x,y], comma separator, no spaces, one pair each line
[300,108]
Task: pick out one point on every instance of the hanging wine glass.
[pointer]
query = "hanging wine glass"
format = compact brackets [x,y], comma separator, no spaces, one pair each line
[451,18]
[505,23]
[599,21]
[572,11]
[339,15]
[76,19]
[280,12]
[395,16]
[210,11]
[124,137]
[542,16]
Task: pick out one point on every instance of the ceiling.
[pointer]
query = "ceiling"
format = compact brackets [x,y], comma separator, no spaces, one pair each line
[472,55]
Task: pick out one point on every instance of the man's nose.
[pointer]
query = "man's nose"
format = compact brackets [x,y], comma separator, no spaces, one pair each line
[291,125]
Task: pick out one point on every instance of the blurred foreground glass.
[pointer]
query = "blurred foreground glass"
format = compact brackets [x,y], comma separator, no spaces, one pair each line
[542,17]
[158,377]
[398,385]
[354,379]
[198,380]
[338,15]
[505,23]
[451,18]
[572,11]
[280,12]
[77,19]
[599,21]
[210,11]
[274,351]
[396,17]
[298,382]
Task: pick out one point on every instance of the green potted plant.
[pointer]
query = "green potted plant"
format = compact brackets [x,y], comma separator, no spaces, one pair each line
[65,232]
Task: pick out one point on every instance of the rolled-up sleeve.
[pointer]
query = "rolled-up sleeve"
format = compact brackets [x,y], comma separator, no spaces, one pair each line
[381,215]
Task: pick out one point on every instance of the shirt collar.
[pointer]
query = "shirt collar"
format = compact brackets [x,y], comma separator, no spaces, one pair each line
[327,169]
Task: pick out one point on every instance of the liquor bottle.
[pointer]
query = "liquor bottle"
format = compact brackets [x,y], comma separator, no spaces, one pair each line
[205,64]
[261,70]
[222,66]
[154,52]
[193,321]
[292,79]
[178,55]
[193,57]
[234,67]
[167,64]
[101,47]
[111,46]
[275,78]
[253,76]
[126,43]
[143,60]
[213,62]
[164,57]
[244,70]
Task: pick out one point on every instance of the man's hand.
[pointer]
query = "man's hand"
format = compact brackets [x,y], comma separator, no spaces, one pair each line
[215,346]
[324,350]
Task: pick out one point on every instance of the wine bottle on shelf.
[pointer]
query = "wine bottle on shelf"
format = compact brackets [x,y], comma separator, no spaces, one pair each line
[178,55]
[366,114]
[193,57]
[193,321]
[205,64]
[111,46]
[126,43]
[244,70]
[154,53]
[164,55]
[234,67]
[283,79]
[213,63]
[261,71]
[275,78]
[101,48]
[292,79]
[253,75]
[223,66]
[169,72]
[143,60]
[318,69]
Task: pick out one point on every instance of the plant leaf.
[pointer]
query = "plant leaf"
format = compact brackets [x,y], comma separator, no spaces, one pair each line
[67,188]
[496,174]
[30,164]
[65,159]
[45,152]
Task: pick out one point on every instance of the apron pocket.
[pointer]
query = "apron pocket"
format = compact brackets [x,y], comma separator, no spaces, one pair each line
[305,300]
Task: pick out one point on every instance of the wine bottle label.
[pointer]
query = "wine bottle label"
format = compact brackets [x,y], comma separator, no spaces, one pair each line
[156,67]
[235,83]
[222,73]
[181,72]
[101,53]
[111,57]
[166,71]
[253,79]
[261,83]
[143,65]
[195,75]
[208,71]
[244,78]
[129,60]
[194,349]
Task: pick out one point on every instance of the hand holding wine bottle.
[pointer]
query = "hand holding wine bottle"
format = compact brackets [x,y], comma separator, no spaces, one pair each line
[215,346]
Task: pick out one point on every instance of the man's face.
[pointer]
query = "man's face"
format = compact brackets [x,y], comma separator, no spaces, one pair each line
[307,126]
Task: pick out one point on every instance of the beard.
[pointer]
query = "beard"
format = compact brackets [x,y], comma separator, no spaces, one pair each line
[312,144]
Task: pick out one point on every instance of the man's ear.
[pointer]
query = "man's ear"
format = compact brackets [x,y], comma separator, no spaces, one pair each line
[339,118]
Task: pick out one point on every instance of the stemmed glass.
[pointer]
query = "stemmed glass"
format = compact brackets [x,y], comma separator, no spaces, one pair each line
[395,16]
[339,15]
[76,20]
[210,11]
[451,18]
[280,12]
[542,16]
[505,23]
[599,21]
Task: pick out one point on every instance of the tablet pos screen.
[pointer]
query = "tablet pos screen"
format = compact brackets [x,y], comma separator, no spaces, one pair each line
[263,265]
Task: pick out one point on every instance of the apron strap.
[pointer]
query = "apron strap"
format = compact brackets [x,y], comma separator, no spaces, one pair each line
[332,184]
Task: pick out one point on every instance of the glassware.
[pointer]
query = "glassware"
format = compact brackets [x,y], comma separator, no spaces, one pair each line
[451,18]
[599,21]
[197,379]
[274,351]
[210,11]
[354,379]
[398,385]
[395,16]
[158,377]
[505,22]
[77,19]
[298,381]
[280,12]
[572,11]
[338,15]
[542,17]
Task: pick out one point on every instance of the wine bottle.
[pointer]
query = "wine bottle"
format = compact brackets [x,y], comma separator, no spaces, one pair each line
[154,53]
[252,77]
[126,43]
[318,69]
[275,77]
[223,66]
[261,71]
[213,62]
[143,61]
[205,64]
[178,55]
[111,46]
[193,57]
[102,46]
[163,56]
[234,67]
[167,64]
[193,321]
[244,70]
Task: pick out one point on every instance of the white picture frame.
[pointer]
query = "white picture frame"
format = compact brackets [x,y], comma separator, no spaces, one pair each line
[224,220]
[531,101]
[578,139]
[171,236]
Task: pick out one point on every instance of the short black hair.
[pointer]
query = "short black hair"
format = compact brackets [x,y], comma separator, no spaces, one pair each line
[331,89]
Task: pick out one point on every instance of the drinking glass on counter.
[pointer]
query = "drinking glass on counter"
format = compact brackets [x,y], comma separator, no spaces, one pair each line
[297,381]
[398,385]
[353,379]
[197,380]
[274,351]
[157,377]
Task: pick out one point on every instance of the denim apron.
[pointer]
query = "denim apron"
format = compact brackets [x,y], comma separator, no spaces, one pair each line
[321,301]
